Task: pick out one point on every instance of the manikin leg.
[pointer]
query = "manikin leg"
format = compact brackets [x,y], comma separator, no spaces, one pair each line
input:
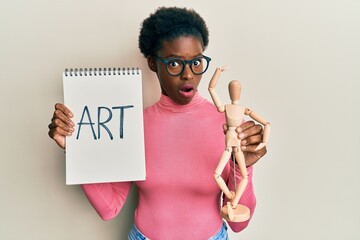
[240,159]
[220,168]
[233,211]
[230,211]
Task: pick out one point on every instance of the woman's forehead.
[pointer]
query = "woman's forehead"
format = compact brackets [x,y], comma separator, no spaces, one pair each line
[183,47]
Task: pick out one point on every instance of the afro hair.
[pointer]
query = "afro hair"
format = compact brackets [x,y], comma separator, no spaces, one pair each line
[167,24]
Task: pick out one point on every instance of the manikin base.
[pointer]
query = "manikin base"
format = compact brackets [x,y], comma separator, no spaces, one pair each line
[240,214]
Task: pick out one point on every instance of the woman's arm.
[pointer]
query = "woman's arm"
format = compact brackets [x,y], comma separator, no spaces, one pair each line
[107,198]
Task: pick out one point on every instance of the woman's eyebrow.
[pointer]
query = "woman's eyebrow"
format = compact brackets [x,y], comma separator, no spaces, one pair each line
[181,57]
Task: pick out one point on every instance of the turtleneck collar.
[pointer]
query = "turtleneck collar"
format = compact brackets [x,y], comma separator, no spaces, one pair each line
[168,104]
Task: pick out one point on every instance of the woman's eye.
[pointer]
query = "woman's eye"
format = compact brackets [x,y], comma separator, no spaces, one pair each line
[197,63]
[173,64]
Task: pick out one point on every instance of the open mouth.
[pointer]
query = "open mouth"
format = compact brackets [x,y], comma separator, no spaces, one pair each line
[187,90]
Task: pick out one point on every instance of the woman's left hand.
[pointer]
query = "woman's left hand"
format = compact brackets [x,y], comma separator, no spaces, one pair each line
[251,135]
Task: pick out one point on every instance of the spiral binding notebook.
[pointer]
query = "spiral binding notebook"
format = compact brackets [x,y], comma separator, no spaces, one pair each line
[108,142]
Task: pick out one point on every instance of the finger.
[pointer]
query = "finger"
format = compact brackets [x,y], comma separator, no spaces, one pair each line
[59,114]
[252,150]
[252,140]
[245,126]
[61,107]
[225,128]
[251,131]
[58,132]
[59,124]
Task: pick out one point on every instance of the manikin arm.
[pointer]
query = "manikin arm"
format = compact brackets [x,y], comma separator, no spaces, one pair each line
[212,91]
[266,124]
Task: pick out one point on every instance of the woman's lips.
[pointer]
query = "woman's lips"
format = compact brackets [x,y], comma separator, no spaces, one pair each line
[187,91]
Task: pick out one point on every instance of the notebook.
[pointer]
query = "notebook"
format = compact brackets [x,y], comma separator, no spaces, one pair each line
[108,142]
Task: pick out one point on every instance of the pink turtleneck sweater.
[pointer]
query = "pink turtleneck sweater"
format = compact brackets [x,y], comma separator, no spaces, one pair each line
[179,198]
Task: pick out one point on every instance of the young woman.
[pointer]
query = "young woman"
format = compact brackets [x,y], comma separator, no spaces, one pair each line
[183,141]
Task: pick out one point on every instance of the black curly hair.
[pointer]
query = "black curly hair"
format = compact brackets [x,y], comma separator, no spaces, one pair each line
[169,23]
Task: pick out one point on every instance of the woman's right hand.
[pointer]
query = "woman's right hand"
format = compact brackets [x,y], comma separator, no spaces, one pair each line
[61,124]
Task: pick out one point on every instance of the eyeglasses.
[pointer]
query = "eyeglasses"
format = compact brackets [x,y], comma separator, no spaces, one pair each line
[176,66]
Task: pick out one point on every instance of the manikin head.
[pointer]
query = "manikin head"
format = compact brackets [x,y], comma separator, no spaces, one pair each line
[234,91]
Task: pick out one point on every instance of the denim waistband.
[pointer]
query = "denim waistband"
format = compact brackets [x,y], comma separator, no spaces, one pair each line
[135,234]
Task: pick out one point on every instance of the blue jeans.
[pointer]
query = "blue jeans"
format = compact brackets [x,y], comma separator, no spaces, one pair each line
[135,234]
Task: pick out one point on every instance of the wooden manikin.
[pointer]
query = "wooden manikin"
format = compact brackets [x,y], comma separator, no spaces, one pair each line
[234,114]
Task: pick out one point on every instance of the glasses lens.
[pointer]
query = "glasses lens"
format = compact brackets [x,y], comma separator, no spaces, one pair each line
[199,65]
[174,66]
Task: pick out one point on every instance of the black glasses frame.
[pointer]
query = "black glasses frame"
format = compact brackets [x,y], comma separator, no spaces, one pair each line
[184,62]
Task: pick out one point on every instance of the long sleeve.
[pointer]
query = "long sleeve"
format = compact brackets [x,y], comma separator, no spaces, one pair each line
[248,197]
[107,198]
[181,156]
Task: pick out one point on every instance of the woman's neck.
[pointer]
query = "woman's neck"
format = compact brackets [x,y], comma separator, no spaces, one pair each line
[168,104]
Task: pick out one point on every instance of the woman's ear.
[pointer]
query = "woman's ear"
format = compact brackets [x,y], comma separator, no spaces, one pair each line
[152,63]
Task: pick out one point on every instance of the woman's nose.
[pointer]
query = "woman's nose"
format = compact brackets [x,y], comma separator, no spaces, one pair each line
[187,74]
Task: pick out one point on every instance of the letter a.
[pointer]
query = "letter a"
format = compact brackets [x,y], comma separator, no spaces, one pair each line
[86,111]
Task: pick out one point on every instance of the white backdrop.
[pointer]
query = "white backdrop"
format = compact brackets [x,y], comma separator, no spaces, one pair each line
[299,65]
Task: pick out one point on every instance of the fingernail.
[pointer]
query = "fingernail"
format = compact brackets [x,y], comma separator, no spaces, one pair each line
[243,142]
[242,135]
[243,148]
[70,114]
